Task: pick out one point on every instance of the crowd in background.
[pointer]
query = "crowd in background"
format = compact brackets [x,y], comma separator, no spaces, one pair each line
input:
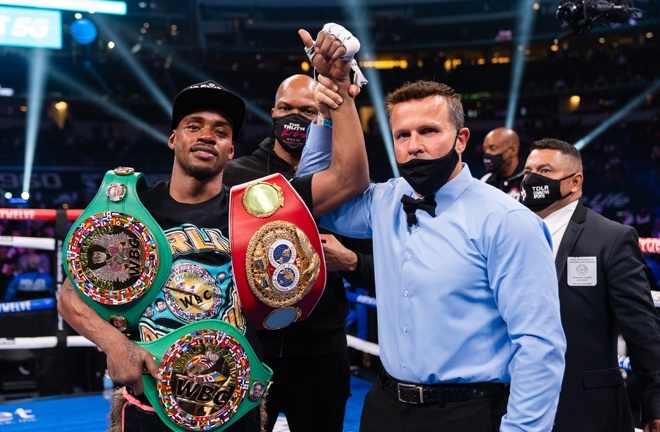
[622,164]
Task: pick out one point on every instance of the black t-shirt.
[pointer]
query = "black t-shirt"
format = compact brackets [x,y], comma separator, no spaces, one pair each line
[509,185]
[201,284]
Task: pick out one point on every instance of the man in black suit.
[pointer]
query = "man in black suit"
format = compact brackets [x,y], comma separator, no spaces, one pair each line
[603,289]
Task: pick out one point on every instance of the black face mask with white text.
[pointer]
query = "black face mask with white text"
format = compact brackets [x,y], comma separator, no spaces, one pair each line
[291,131]
[428,175]
[539,192]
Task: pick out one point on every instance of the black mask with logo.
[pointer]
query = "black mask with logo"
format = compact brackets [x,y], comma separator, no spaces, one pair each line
[291,131]
[539,192]
[428,175]
[492,162]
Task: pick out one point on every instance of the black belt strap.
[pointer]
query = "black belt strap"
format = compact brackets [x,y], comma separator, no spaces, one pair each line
[440,393]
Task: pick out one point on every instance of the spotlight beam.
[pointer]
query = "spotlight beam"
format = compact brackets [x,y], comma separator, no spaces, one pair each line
[582,143]
[141,74]
[109,106]
[36,85]
[359,21]
[526,18]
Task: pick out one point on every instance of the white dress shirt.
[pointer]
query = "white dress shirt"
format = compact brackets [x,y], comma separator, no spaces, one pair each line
[557,222]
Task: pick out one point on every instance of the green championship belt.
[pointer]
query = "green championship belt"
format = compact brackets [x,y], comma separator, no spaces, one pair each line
[115,252]
[210,374]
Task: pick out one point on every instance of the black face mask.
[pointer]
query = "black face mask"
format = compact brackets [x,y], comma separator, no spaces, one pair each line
[493,163]
[539,192]
[428,175]
[291,131]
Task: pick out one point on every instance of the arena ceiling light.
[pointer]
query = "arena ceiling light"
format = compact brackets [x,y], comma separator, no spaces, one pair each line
[91,6]
[526,16]
[38,63]
[138,70]
[634,103]
[120,113]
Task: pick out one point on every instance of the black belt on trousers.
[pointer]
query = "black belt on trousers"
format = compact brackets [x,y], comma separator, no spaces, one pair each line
[440,393]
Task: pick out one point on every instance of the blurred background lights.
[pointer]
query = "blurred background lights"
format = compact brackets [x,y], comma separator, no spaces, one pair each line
[83,31]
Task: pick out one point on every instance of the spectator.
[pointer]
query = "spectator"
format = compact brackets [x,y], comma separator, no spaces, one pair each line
[31,284]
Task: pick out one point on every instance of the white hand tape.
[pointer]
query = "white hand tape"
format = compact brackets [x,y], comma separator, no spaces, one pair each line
[356,75]
[311,52]
[350,42]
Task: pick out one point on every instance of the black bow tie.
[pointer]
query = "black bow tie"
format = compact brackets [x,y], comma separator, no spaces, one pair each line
[410,205]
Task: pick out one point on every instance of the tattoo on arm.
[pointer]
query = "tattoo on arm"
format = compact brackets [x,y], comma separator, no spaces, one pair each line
[133,354]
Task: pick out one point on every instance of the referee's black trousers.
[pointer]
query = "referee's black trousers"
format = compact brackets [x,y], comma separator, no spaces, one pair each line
[383,412]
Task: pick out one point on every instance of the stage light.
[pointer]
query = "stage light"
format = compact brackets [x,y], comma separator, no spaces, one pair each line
[134,66]
[359,22]
[384,64]
[83,31]
[113,109]
[58,113]
[645,95]
[36,87]
[527,15]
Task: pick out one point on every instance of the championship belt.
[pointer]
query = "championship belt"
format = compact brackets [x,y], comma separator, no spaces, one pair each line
[115,252]
[276,253]
[211,376]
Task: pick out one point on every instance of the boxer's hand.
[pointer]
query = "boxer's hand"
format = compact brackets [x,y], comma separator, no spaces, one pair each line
[127,362]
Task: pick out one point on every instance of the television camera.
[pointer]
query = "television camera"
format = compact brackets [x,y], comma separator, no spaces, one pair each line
[579,16]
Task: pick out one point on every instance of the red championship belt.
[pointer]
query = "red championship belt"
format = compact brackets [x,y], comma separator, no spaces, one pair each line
[276,253]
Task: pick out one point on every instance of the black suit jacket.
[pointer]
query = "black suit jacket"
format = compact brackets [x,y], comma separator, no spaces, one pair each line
[593,397]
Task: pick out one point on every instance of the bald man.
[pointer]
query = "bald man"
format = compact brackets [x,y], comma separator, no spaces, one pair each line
[311,380]
[503,165]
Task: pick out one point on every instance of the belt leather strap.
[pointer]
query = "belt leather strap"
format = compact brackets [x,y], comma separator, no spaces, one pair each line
[418,394]
[116,254]
[277,257]
[211,377]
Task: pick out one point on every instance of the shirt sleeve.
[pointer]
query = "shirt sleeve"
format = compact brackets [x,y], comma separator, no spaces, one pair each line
[522,274]
[353,218]
[363,275]
[317,153]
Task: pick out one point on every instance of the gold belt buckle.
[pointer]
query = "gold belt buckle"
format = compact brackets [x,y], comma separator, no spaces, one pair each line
[420,390]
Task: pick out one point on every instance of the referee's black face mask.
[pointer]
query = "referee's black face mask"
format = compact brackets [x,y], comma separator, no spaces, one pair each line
[539,192]
[428,175]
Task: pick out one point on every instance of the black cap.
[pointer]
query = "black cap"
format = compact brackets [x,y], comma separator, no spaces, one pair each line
[209,95]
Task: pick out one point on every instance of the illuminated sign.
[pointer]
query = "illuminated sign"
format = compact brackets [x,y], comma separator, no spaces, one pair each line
[30,28]
[91,6]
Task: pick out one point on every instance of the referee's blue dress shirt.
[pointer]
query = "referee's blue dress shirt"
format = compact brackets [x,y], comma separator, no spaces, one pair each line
[468,296]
